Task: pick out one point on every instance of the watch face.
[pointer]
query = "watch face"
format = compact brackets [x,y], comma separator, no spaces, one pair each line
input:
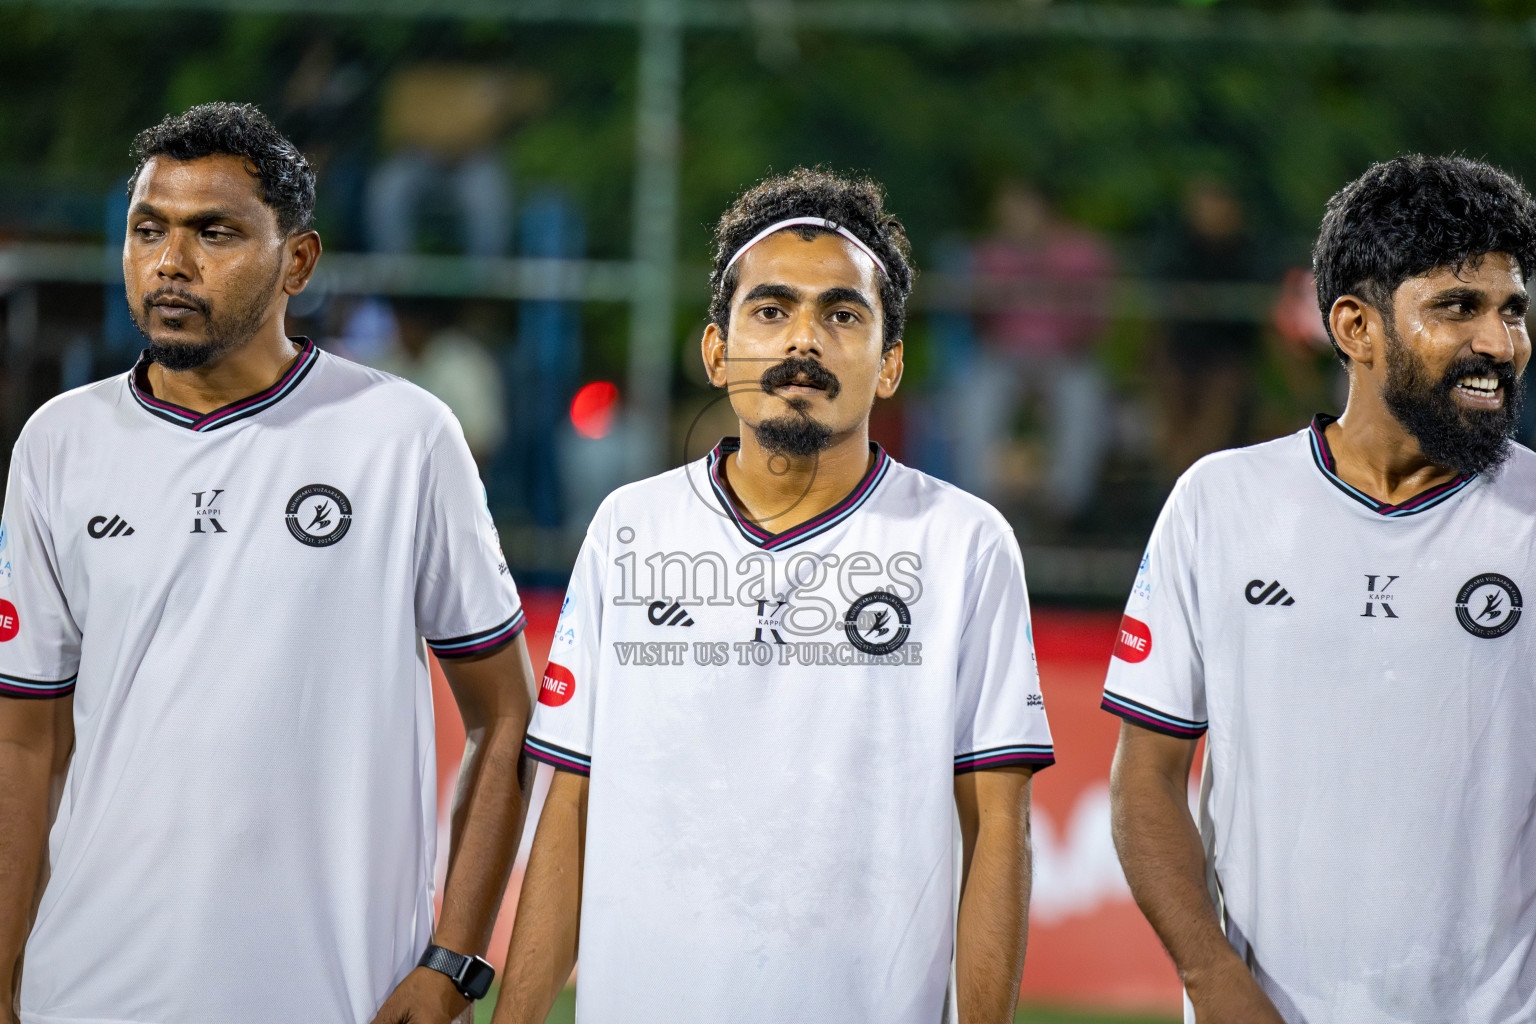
[478,975]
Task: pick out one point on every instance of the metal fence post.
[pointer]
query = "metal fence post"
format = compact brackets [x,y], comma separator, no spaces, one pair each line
[657,142]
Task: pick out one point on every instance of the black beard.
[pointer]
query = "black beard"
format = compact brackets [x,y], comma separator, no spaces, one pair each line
[797,436]
[223,334]
[1466,440]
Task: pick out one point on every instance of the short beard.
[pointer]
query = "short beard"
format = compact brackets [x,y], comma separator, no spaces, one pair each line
[1466,440]
[222,333]
[796,436]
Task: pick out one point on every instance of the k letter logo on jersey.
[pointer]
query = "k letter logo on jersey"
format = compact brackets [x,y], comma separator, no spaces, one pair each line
[208,510]
[878,623]
[558,687]
[1133,642]
[319,515]
[1488,605]
[1378,596]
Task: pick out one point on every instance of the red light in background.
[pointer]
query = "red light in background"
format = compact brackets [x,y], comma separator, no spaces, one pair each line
[593,408]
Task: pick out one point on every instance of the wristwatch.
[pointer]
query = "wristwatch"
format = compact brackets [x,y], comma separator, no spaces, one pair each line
[471,975]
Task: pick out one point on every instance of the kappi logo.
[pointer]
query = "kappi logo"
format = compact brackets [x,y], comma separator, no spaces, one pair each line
[208,510]
[1379,595]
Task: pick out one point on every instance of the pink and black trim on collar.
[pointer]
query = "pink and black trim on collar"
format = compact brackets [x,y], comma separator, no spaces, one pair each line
[1421,502]
[770,541]
[138,385]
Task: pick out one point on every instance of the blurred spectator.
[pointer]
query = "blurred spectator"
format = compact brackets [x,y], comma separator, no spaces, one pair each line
[454,366]
[1208,364]
[442,124]
[1043,286]
[324,111]
[1299,375]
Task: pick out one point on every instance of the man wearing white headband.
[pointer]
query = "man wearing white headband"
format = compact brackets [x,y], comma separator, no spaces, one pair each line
[779,672]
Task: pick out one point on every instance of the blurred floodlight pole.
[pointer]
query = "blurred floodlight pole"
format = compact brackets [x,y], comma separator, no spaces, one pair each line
[657,142]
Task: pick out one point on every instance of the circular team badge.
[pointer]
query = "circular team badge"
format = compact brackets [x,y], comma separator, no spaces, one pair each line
[319,515]
[877,623]
[1488,605]
[10,622]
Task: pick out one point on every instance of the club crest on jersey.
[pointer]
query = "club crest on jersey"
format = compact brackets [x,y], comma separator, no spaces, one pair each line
[878,622]
[319,515]
[1488,605]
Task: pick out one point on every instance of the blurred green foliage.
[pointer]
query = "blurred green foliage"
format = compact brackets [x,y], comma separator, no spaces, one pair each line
[1112,130]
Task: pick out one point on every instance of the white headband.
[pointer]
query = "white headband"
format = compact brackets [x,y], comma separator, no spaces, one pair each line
[818,222]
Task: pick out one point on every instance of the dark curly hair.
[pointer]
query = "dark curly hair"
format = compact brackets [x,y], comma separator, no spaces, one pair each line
[237,129]
[1409,216]
[857,204]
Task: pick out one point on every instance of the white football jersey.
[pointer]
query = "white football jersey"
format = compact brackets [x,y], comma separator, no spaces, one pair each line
[1368,679]
[772,723]
[237,601]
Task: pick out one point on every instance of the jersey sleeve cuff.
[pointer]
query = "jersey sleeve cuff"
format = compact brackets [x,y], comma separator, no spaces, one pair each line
[1147,717]
[483,642]
[1034,755]
[561,758]
[35,689]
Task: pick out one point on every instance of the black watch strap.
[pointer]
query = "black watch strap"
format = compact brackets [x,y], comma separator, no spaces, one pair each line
[471,975]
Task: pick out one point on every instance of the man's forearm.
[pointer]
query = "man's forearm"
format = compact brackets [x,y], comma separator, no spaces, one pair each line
[545,934]
[26,774]
[1165,865]
[490,804]
[994,896]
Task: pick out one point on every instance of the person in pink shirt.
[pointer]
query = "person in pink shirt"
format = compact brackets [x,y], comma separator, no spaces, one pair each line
[1043,300]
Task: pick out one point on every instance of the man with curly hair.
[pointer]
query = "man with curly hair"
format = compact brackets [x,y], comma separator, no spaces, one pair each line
[213,682]
[1339,614]
[779,672]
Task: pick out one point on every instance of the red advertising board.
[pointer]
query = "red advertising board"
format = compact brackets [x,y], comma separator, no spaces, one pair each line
[1088,944]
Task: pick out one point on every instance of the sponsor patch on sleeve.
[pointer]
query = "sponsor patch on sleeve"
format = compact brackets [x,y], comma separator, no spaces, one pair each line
[1134,640]
[558,687]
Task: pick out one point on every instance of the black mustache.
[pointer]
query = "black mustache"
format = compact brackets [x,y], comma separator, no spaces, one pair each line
[201,305]
[795,370]
[1479,366]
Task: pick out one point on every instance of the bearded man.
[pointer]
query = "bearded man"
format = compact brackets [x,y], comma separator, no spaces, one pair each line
[1341,611]
[784,674]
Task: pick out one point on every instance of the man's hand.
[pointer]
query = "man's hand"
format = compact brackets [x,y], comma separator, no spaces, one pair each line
[1230,995]
[425,997]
